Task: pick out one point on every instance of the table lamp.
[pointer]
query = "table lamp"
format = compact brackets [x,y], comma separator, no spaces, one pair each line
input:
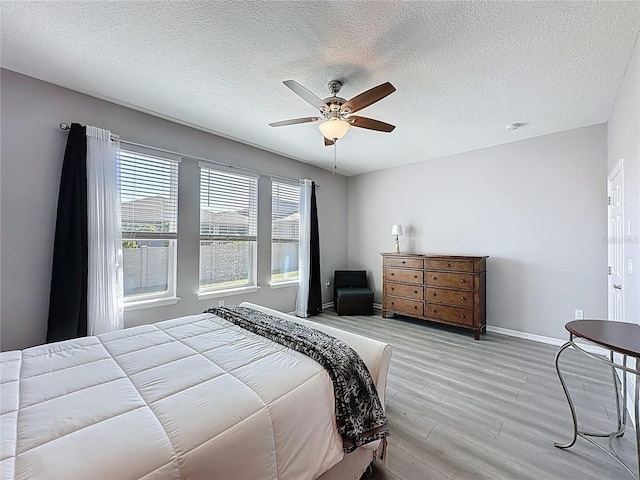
[397,230]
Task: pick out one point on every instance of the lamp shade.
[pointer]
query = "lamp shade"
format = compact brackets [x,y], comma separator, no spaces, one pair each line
[396,230]
[334,128]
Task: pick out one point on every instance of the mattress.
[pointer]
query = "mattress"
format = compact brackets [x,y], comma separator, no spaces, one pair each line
[192,397]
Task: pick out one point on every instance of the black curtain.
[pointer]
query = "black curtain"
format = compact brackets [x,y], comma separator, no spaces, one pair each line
[315,287]
[68,297]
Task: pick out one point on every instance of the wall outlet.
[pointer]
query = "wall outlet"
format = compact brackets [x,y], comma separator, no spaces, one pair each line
[328,284]
[579,314]
[221,303]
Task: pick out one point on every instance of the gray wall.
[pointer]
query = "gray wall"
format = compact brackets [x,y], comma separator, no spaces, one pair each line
[537,207]
[623,142]
[32,152]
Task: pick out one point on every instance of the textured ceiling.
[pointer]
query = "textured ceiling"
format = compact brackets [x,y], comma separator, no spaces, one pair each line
[462,70]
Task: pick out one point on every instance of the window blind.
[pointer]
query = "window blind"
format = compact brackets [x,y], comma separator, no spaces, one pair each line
[148,195]
[228,205]
[285,211]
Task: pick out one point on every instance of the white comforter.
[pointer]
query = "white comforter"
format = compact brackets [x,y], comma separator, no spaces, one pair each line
[193,397]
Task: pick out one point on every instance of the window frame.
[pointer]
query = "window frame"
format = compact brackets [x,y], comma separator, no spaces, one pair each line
[251,284]
[285,281]
[169,296]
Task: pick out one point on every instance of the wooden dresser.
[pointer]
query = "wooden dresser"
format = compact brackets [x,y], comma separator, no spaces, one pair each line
[438,288]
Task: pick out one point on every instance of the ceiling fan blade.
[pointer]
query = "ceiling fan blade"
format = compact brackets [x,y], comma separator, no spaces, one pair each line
[370,123]
[367,98]
[306,94]
[293,121]
[327,142]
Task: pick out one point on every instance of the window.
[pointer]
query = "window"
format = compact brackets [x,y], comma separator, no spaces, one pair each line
[228,229]
[285,228]
[148,190]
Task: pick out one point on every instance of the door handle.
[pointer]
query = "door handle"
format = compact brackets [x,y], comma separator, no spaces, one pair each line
[617,287]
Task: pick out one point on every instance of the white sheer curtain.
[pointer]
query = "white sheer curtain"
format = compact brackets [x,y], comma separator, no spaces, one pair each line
[104,283]
[304,259]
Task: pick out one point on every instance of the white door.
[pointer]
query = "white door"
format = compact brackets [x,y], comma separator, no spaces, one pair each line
[616,265]
[616,243]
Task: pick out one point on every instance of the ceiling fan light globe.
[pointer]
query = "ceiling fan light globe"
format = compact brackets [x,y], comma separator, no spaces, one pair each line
[334,128]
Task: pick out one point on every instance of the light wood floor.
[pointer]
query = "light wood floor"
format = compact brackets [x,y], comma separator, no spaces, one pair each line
[488,409]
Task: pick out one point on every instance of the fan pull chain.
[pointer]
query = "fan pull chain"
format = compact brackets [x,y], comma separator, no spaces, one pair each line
[335,166]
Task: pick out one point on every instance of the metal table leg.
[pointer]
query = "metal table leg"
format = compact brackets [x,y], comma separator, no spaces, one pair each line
[621,405]
[637,414]
[566,392]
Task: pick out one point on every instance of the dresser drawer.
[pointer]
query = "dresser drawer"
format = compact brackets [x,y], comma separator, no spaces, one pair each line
[455,280]
[450,265]
[415,292]
[452,297]
[407,276]
[462,316]
[403,305]
[407,262]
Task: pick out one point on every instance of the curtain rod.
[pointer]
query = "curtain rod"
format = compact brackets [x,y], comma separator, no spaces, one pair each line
[65,126]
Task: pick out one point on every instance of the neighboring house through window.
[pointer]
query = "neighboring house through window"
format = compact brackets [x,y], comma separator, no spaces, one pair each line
[228,229]
[148,190]
[285,231]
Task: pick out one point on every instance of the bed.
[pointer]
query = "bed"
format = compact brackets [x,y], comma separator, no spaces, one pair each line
[193,397]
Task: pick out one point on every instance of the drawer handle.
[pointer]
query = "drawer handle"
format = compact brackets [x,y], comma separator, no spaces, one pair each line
[393,274]
[435,278]
[415,291]
[393,289]
[433,310]
[434,294]
[448,264]
[415,276]
[461,298]
[393,303]
[463,281]
[415,307]
[462,315]
[403,261]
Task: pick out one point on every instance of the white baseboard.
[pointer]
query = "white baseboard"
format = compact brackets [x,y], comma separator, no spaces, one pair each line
[528,336]
[548,340]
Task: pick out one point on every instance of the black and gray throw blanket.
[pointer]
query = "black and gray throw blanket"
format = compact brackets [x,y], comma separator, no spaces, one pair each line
[359,414]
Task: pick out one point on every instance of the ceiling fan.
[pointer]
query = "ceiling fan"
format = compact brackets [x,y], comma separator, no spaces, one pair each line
[336,112]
